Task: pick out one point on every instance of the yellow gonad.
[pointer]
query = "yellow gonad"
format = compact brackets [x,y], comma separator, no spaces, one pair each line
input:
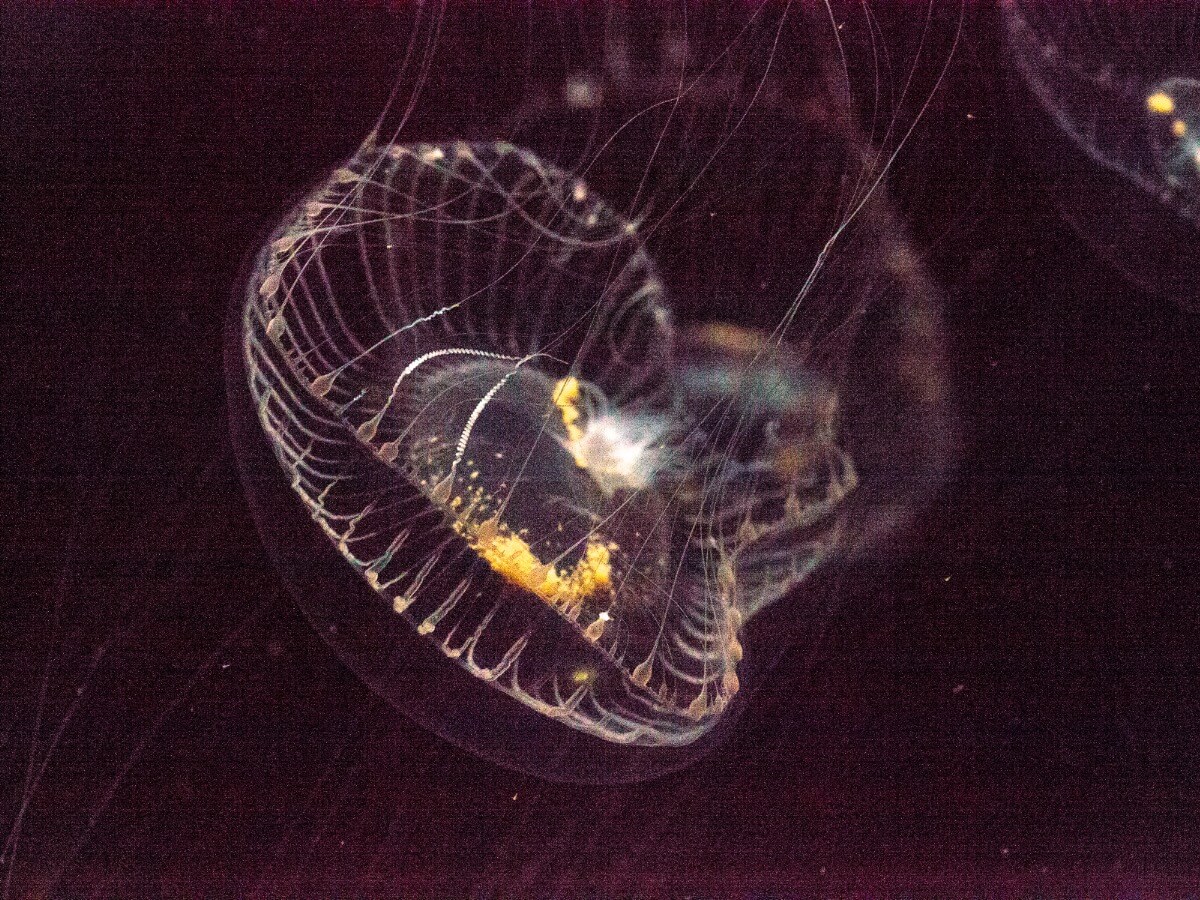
[1160,102]
[1163,104]
[510,555]
[566,397]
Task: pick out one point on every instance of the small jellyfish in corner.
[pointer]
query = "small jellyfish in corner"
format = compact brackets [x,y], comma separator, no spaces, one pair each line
[549,420]
[1122,83]
[1173,108]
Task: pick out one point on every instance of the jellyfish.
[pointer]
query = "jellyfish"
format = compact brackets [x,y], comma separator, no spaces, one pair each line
[561,409]
[1173,108]
[576,399]
[1121,83]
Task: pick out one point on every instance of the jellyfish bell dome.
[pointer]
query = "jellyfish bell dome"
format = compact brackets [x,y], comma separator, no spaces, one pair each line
[1120,84]
[534,455]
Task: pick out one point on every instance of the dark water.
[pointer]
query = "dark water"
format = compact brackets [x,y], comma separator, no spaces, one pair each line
[1014,695]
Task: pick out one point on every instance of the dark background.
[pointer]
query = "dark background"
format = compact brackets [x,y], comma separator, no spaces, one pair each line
[1012,698]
